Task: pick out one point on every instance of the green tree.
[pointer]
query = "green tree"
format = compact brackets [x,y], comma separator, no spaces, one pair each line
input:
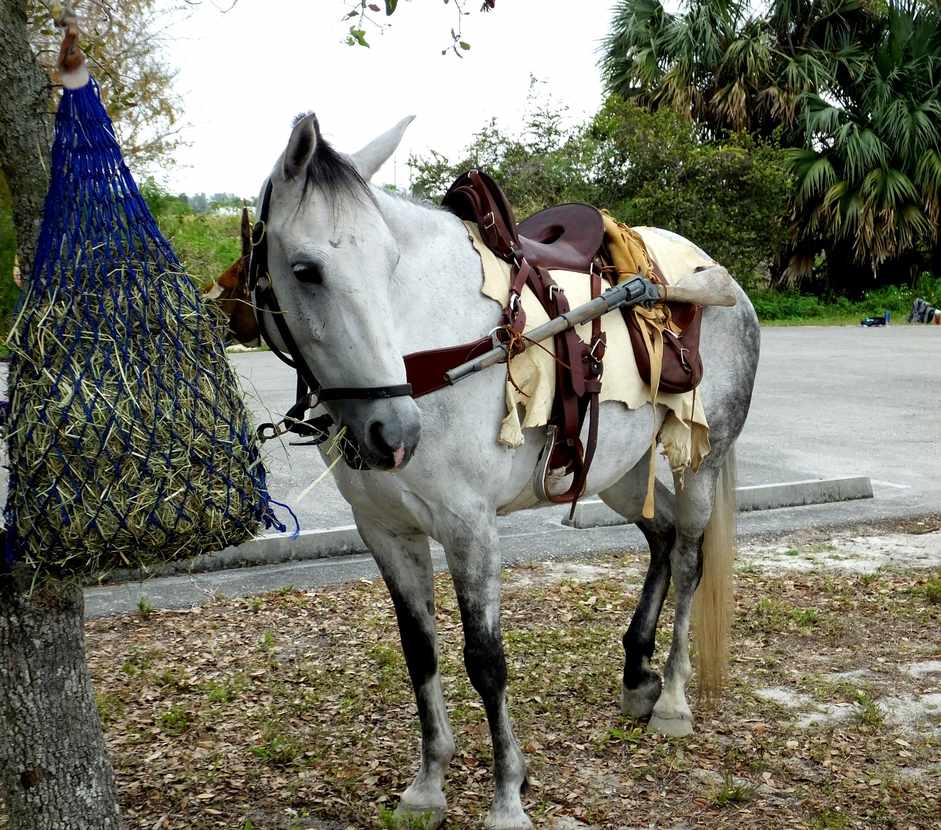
[730,198]
[869,175]
[852,85]
[728,68]
[647,168]
[125,45]
[545,163]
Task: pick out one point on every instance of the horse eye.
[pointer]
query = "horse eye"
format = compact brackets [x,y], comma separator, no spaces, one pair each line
[308,272]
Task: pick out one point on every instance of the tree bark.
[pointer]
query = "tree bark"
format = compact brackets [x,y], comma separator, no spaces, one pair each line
[25,127]
[54,768]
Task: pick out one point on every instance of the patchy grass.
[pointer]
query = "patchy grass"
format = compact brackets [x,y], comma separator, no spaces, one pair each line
[175,720]
[276,748]
[295,709]
[933,590]
[830,820]
[412,821]
[732,792]
[867,710]
[144,607]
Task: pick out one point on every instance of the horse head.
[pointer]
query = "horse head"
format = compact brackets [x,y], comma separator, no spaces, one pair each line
[331,263]
[231,294]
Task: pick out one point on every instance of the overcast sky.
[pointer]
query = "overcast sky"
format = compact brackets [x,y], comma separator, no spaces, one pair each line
[244,74]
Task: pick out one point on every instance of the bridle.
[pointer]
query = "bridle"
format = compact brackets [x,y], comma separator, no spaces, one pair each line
[310,393]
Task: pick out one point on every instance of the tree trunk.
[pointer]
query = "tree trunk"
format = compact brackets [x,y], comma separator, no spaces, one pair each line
[54,768]
[25,127]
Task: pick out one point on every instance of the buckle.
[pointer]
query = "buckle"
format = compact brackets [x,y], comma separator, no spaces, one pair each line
[266,432]
[554,289]
[492,221]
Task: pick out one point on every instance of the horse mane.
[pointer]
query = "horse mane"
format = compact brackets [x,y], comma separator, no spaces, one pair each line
[330,170]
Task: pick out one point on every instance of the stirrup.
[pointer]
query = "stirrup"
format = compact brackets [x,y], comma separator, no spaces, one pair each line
[542,471]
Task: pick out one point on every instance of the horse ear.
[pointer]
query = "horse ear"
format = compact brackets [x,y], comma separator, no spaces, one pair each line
[370,158]
[246,233]
[229,278]
[301,146]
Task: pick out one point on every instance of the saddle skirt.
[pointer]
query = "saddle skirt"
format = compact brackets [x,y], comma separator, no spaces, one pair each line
[530,387]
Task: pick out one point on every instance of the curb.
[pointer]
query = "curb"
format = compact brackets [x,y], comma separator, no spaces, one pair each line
[274,549]
[595,513]
[279,548]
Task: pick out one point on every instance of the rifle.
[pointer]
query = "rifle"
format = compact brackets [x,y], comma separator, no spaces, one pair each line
[712,286]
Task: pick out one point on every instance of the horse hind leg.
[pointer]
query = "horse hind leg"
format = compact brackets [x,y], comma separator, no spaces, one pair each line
[405,564]
[702,509]
[641,685]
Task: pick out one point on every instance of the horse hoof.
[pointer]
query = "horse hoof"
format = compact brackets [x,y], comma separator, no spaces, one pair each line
[639,701]
[675,726]
[411,815]
[508,820]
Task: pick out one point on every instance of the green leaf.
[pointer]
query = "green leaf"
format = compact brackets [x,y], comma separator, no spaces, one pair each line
[357,37]
[464,45]
[390,6]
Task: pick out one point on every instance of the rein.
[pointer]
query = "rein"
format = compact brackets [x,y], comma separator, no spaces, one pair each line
[310,393]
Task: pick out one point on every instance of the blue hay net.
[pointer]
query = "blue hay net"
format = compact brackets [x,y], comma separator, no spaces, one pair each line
[129,441]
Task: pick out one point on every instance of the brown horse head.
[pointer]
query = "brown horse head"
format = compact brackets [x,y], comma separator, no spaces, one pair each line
[230,291]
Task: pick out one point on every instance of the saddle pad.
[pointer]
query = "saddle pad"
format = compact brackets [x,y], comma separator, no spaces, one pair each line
[675,255]
[530,387]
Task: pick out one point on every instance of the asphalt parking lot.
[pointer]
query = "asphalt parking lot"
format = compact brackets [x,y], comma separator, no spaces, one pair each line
[828,402]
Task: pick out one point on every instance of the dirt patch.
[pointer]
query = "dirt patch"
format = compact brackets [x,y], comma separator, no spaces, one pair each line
[850,553]
[294,710]
[552,572]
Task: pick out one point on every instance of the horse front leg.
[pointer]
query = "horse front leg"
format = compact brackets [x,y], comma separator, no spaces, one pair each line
[405,563]
[474,562]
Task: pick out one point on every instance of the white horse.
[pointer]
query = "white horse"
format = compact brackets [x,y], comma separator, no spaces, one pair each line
[364,276]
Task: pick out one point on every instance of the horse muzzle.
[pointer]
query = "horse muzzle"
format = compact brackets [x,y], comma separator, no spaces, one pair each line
[385,433]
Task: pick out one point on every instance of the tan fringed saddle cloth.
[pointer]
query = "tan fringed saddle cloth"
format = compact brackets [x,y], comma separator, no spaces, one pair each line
[665,337]
[530,388]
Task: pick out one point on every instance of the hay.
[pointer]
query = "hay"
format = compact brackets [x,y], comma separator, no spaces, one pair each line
[128,439]
[121,436]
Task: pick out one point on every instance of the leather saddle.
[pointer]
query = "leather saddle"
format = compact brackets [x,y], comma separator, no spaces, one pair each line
[566,237]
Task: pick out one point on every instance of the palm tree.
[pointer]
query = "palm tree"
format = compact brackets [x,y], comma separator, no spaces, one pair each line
[852,85]
[869,175]
[729,69]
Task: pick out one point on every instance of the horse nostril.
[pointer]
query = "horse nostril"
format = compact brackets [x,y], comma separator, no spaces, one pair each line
[378,440]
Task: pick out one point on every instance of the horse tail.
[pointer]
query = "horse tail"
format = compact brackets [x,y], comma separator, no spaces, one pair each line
[712,609]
